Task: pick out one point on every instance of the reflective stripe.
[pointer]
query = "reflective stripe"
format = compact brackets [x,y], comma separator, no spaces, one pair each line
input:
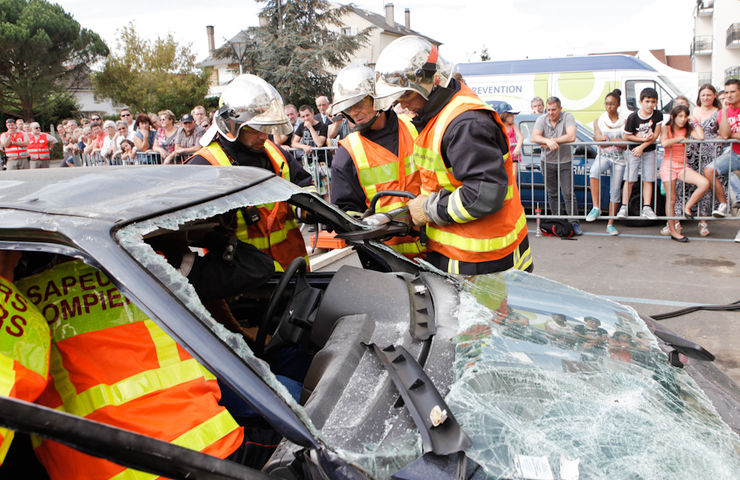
[369,176]
[7,375]
[447,111]
[356,144]
[29,349]
[427,158]
[457,210]
[406,247]
[276,155]
[119,393]
[509,192]
[15,151]
[409,126]
[453,266]
[166,348]
[7,438]
[197,438]
[215,149]
[7,379]
[389,206]
[522,261]
[264,243]
[476,244]
[379,174]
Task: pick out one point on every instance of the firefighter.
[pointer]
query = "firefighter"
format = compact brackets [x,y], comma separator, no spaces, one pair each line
[376,156]
[112,364]
[469,200]
[24,344]
[249,110]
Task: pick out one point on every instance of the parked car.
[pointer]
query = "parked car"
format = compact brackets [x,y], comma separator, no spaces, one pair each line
[412,373]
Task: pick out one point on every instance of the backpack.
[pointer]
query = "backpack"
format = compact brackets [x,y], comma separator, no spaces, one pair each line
[556,227]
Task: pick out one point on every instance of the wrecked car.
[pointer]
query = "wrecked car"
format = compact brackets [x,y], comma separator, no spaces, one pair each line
[410,373]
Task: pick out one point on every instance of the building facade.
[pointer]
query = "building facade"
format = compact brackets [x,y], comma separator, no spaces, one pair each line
[715,49]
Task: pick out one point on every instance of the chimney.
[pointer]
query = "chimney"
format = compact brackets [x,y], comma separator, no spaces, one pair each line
[211,41]
[407,14]
[389,15]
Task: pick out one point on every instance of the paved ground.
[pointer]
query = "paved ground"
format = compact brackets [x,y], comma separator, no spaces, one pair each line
[654,275]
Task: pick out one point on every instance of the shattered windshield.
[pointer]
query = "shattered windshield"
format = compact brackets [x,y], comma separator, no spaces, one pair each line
[554,383]
[135,239]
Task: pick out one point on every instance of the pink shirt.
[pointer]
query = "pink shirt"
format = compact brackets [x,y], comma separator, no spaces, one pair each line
[733,118]
[512,143]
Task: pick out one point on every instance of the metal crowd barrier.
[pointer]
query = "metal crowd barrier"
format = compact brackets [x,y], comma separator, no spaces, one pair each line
[533,184]
[318,164]
[142,158]
[530,179]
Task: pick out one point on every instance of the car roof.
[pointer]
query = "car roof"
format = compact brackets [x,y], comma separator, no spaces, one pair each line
[121,193]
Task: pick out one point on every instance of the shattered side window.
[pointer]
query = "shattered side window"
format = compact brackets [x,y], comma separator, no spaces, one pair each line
[133,239]
[561,384]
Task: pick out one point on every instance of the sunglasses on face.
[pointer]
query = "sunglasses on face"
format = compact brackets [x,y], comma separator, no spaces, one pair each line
[125,114]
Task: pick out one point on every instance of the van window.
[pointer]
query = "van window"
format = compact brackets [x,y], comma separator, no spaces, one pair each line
[634,87]
[526,128]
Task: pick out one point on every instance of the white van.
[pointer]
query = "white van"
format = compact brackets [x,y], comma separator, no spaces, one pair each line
[581,83]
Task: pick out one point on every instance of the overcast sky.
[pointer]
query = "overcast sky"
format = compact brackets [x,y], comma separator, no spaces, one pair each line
[511,29]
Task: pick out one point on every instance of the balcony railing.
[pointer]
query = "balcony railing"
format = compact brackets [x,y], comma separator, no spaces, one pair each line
[732,72]
[704,8]
[704,77]
[702,45]
[733,36]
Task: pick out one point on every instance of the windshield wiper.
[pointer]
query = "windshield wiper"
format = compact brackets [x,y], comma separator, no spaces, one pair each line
[440,432]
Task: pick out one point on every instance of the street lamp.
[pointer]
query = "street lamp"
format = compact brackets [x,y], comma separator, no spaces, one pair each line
[239,49]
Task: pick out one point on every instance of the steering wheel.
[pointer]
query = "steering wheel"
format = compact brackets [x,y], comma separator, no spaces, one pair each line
[297,268]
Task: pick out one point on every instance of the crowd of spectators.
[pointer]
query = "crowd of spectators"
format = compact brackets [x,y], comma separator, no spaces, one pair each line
[162,138]
[694,176]
[143,138]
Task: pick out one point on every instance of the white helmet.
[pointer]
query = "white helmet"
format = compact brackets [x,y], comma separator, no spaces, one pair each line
[352,85]
[410,63]
[249,100]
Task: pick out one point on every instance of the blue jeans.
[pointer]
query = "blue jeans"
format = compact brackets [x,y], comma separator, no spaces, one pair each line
[602,164]
[726,164]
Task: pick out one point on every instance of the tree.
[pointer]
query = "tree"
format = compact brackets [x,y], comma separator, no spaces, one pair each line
[294,47]
[42,51]
[150,76]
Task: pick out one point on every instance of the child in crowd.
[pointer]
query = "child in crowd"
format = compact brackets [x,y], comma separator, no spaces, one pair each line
[515,135]
[642,126]
[608,127]
[679,100]
[677,130]
[128,152]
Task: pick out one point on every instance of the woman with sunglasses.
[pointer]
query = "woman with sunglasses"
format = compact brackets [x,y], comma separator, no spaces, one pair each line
[166,134]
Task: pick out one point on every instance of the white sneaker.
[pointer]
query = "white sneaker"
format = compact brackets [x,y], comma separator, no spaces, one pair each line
[623,212]
[737,237]
[593,214]
[648,213]
[720,211]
